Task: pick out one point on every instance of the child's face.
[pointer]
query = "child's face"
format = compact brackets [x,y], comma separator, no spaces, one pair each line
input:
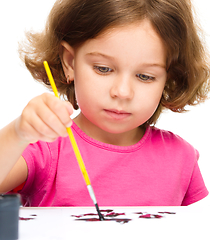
[119,78]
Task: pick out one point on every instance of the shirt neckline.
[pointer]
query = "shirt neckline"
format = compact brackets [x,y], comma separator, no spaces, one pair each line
[111,147]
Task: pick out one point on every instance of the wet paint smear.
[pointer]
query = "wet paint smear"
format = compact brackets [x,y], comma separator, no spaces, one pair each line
[107,210]
[25,219]
[150,216]
[119,220]
[109,215]
[29,218]
[167,212]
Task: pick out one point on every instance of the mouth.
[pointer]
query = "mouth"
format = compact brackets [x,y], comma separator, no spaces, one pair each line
[116,114]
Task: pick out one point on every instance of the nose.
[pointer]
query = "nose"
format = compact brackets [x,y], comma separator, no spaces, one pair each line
[122,88]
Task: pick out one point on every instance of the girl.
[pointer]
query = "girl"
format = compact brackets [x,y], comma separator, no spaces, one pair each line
[121,62]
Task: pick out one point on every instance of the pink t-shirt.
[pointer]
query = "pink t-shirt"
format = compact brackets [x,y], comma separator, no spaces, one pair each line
[160,170]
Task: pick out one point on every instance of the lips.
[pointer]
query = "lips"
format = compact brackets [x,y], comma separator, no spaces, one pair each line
[116,114]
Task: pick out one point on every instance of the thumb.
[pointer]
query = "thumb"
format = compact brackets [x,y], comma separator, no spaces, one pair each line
[69,107]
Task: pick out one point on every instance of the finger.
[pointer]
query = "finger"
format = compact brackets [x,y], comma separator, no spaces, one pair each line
[69,107]
[49,123]
[61,109]
[34,135]
[39,122]
[27,132]
[42,129]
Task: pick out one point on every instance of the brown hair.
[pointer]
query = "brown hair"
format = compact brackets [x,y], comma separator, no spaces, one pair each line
[76,21]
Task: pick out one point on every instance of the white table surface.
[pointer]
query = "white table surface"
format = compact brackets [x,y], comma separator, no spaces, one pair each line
[57,224]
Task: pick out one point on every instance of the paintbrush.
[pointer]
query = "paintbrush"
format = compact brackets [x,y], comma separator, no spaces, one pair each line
[75,147]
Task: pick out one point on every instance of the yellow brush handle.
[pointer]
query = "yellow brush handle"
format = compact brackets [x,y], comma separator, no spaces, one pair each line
[78,156]
[71,136]
[52,82]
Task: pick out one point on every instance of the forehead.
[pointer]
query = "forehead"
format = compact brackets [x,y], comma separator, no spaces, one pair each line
[136,40]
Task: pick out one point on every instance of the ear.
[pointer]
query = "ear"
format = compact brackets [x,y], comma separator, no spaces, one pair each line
[67,60]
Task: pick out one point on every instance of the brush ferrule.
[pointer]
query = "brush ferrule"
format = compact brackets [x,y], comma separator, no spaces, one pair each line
[92,195]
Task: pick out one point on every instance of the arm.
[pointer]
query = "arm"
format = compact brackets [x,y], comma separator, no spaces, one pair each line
[44,118]
[11,149]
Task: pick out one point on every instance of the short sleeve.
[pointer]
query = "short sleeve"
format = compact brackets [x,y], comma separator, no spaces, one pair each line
[197,189]
[38,160]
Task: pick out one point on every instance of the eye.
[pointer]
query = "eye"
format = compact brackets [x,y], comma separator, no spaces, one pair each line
[145,78]
[102,70]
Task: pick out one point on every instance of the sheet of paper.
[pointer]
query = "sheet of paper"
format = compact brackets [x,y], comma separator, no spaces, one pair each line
[144,223]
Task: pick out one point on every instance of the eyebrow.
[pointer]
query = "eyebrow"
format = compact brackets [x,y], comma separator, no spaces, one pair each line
[155,65]
[99,54]
[161,65]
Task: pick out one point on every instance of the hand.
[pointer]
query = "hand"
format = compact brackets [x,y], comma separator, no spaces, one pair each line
[45,118]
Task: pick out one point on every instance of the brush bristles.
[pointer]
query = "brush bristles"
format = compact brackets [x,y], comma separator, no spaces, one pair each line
[101,217]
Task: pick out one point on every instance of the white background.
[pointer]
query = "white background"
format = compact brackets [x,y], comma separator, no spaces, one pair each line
[17,86]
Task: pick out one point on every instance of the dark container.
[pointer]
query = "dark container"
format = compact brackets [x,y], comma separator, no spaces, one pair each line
[9,216]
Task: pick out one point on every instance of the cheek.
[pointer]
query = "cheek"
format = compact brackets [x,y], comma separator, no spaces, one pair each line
[81,94]
[86,92]
[88,85]
[157,96]
[150,99]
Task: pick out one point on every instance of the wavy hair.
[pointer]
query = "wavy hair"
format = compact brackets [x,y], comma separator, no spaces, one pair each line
[76,21]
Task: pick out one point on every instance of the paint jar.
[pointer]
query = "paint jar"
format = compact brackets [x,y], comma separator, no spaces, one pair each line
[9,216]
